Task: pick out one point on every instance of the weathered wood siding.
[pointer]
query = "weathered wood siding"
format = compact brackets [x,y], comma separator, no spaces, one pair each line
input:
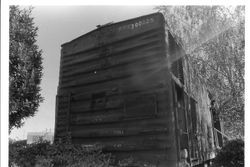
[192,107]
[115,90]
[198,91]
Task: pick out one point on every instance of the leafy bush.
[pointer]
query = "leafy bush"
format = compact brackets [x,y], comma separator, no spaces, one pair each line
[231,155]
[44,154]
[131,162]
[14,148]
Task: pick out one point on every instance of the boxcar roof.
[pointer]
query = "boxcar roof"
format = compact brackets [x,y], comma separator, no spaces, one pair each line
[125,25]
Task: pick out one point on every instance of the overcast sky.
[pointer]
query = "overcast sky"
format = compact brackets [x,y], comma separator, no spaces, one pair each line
[57,25]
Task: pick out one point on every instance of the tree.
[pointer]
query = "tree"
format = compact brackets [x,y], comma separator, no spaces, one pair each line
[214,38]
[25,67]
[231,155]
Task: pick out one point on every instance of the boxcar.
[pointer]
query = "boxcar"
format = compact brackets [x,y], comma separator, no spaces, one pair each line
[129,87]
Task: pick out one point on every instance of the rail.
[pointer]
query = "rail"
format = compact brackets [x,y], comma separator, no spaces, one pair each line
[227,137]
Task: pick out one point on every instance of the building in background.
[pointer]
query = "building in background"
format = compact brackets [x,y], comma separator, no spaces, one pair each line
[33,137]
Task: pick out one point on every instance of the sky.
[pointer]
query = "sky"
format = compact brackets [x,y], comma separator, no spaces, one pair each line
[57,25]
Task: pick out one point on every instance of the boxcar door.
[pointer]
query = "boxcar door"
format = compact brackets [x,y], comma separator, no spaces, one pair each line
[181,119]
[192,119]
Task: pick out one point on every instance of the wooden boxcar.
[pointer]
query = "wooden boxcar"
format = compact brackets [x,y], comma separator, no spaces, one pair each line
[128,87]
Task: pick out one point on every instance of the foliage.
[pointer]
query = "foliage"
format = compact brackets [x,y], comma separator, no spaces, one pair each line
[25,67]
[44,154]
[14,147]
[231,155]
[131,162]
[214,38]
[25,155]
